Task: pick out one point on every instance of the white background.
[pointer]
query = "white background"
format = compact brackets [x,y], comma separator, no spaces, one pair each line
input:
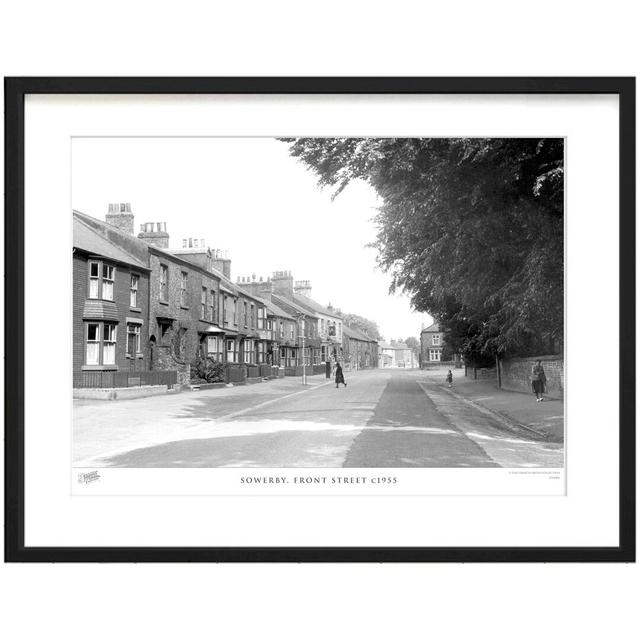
[371,38]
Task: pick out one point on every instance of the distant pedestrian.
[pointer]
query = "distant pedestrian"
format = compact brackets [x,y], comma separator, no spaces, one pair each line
[449,378]
[538,380]
[339,376]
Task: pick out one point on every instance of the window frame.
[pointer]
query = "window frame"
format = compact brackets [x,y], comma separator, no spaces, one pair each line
[163,282]
[133,291]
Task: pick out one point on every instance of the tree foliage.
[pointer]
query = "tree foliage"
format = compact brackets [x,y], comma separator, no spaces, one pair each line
[368,327]
[413,343]
[472,229]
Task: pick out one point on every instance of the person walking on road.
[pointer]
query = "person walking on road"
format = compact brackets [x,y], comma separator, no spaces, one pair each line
[449,378]
[339,376]
[538,380]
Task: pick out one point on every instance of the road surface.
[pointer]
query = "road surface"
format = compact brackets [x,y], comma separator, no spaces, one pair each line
[383,418]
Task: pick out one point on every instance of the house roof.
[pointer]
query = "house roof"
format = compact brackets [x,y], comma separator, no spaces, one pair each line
[312,305]
[357,335]
[291,307]
[274,309]
[87,239]
[434,328]
[102,229]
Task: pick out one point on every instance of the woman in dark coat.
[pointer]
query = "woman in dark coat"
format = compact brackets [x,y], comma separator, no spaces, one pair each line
[538,380]
[339,376]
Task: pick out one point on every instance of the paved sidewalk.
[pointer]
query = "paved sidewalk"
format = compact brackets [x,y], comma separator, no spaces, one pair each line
[545,418]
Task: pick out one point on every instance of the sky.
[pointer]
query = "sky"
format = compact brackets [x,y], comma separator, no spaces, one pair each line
[248,196]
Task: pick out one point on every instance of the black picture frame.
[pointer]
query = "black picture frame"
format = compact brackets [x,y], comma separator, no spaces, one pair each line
[15,91]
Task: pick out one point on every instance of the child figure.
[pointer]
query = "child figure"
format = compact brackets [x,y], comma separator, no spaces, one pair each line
[449,378]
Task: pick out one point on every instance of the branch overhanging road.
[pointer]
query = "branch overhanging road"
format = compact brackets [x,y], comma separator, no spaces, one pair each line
[383,418]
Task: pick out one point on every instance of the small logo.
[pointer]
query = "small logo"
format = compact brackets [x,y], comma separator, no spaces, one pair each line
[90,476]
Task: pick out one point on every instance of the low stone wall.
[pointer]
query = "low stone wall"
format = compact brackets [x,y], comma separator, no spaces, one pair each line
[484,373]
[121,393]
[515,374]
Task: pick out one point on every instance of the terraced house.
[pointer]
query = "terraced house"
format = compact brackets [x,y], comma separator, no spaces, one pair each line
[110,310]
[191,308]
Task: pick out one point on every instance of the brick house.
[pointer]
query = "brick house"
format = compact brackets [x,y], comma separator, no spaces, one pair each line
[329,322]
[281,327]
[359,350]
[431,344]
[110,305]
[192,308]
[234,328]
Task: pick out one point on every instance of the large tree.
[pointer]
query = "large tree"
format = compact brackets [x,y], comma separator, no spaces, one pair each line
[470,228]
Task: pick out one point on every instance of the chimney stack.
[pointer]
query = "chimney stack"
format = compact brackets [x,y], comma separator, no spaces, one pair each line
[221,262]
[283,283]
[303,287]
[120,216]
[261,288]
[155,233]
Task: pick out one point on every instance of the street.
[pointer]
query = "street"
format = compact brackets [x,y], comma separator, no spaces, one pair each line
[383,418]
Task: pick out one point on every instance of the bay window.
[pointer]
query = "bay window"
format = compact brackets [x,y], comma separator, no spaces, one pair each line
[93,343]
[109,344]
[232,350]
[214,348]
[248,352]
[100,346]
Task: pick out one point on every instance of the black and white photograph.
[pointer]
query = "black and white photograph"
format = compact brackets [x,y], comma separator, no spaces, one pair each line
[318,303]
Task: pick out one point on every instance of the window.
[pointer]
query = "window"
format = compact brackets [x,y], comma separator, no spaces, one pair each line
[248,351]
[203,303]
[109,344]
[107,282]
[133,296]
[281,329]
[94,279]
[214,347]
[235,311]
[164,282]
[253,316]
[232,352]
[332,329]
[434,355]
[322,325]
[436,340]
[93,343]
[261,318]
[184,277]
[292,330]
[212,306]
[222,319]
[262,352]
[133,339]
[246,317]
